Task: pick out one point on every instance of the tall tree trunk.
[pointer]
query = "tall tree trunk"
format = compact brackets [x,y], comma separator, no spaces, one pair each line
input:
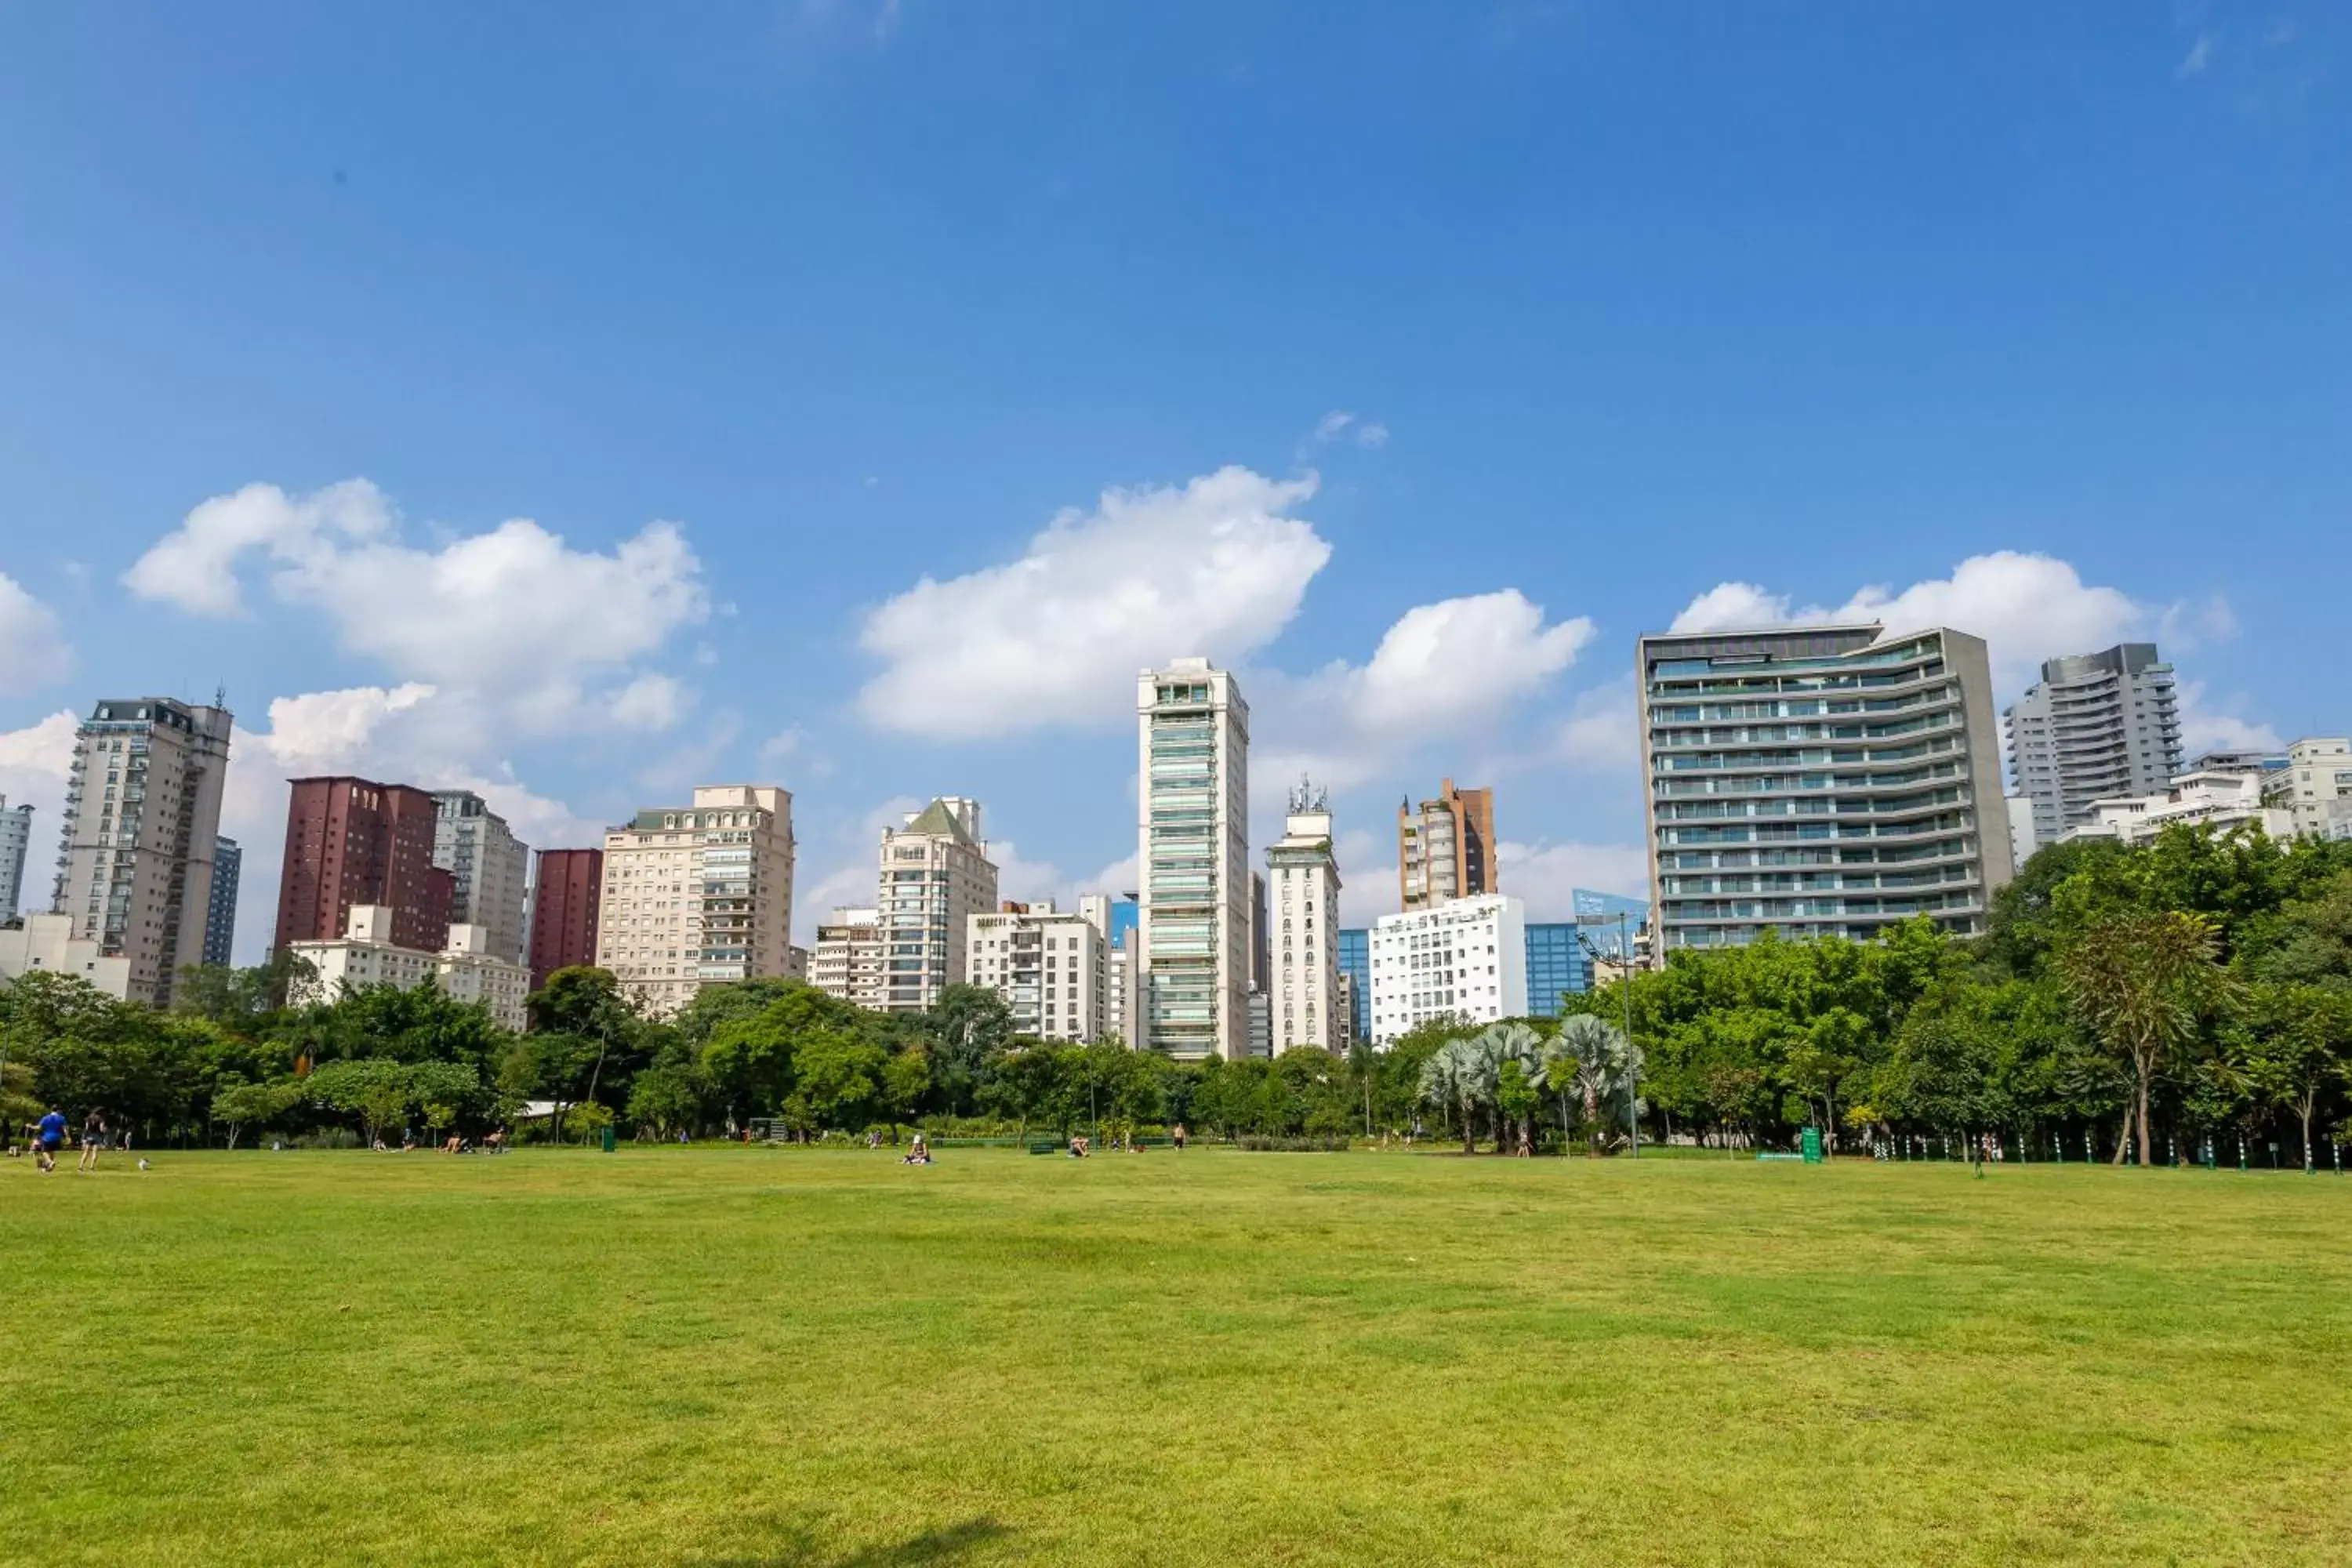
[2147,1064]
[2310,1095]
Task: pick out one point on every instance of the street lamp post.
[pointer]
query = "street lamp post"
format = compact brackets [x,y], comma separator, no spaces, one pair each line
[1625,972]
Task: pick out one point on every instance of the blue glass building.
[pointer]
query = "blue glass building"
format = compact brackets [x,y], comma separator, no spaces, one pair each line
[1556,964]
[1591,905]
[220,914]
[1356,964]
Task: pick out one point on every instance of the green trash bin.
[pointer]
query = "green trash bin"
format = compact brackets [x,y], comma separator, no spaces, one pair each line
[608,1139]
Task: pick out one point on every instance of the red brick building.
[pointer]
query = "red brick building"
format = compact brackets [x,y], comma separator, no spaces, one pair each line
[564,903]
[352,841]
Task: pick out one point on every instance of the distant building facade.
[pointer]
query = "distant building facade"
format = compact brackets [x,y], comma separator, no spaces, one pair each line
[846,961]
[935,876]
[47,944]
[1052,967]
[2315,786]
[1303,992]
[566,901]
[698,894]
[15,838]
[2096,726]
[2218,801]
[1355,950]
[1464,958]
[489,867]
[220,920]
[1193,927]
[1447,848]
[353,842]
[1819,781]
[1557,966]
[142,820]
[366,955]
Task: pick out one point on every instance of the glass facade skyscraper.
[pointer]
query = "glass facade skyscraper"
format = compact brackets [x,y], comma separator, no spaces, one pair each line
[1356,964]
[1556,965]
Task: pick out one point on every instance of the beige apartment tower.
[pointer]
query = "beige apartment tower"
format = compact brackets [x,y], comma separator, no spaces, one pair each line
[142,821]
[699,895]
[847,959]
[1446,848]
[935,876]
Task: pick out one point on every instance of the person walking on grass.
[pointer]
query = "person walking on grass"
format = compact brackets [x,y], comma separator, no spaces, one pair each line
[48,1133]
[93,1139]
[1177,1133]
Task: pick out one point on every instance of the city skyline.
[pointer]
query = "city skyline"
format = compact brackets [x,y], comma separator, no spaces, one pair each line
[900,513]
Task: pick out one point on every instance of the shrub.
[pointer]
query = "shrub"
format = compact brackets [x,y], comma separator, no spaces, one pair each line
[1260,1145]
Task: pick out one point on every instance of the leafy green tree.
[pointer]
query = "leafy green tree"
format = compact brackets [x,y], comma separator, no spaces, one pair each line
[2301,1046]
[838,1077]
[239,1105]
[2143,982]
[666,1099]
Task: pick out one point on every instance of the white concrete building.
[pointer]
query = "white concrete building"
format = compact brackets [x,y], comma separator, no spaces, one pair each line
[48,943]
[2315,786]
[1303,1001]
[366,955]
[471,970]
[1052,967]
[847,959]
[2096,726]
[15,838]
[935,876]
[2022,842]
[1192,830]
[2215,800]
[488,866]
[142,821]
[1467,959]
[699,895]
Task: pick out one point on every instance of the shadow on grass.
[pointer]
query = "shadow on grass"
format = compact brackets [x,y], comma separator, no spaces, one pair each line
[951,1544]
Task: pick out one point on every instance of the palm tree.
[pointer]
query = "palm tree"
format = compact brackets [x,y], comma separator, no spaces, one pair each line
[1458,1076]
[1514,1042]
[1592,1060]
[2141,980]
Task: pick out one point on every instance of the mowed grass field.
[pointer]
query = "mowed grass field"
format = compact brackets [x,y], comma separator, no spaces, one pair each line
[755,1355]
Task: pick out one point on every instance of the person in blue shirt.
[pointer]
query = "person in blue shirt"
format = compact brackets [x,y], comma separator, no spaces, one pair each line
[46,1138]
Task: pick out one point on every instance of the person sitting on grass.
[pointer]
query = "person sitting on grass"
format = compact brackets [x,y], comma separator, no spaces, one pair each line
[455,1145]
[919,1154]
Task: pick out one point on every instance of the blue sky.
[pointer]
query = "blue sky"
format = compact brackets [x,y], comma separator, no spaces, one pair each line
[1465,341]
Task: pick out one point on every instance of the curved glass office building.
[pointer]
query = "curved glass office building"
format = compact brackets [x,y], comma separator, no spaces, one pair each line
[1820,780]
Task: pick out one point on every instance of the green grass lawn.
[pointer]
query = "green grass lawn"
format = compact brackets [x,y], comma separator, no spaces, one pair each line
[755,1355]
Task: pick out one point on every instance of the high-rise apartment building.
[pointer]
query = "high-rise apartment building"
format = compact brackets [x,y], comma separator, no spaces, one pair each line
[366,954]
[142,819]
[2096,725]
[935,876]
[15,838]
[1819,781]
[488,867]
[699,895]
[1052,967]
[1446,848]
[1192,829]
[847,959]
[1465,959]
[351,842]
[566,900]
[220,916]
[1303,993]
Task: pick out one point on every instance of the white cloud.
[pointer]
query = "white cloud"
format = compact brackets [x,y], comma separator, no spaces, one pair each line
[514,614]
[1602,732]
[1374,433]
[651,703]
[1332,425]
[1546,875]
[2027,607]
[1218,567]
[323,731]
[33,648]
[2210,729]
[2199,55]
[33,763]
[1368,433]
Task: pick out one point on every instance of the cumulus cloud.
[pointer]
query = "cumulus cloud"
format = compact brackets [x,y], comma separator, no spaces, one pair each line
[33,763]
[1602,732]
[2205,726]
[2027,607]
[2199,55]
[514,612]
[648,702]
[33,648]
[1217,567]
[1442,671]
[1546,875]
